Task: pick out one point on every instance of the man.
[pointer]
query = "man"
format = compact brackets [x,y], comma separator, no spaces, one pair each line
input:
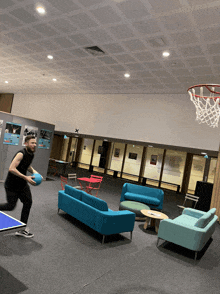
[16,183]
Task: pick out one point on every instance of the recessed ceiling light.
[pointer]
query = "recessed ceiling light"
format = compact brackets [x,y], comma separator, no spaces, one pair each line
[6,82]
[127,75]
[41,9]
[203,153]
[49,56]
[166,54]
[54,80]
[150,146]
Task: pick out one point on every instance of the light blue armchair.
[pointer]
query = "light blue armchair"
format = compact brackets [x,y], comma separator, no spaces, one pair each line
[192,229]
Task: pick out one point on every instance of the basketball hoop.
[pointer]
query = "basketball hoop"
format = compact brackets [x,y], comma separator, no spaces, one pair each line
[207,103]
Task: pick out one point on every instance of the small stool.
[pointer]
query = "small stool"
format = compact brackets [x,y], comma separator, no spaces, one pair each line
[135,207]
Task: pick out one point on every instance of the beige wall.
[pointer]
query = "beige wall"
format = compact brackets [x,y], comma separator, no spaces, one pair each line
[165,119]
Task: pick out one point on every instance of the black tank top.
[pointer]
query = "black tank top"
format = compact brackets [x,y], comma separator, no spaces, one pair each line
[13,182]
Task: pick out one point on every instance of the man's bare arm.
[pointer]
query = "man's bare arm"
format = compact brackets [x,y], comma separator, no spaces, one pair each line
[32,170]
[13,169]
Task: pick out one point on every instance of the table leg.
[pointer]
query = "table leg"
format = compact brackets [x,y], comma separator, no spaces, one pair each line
[157,223]
[146,223]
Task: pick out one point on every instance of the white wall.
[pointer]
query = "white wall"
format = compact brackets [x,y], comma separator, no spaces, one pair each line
[165,119]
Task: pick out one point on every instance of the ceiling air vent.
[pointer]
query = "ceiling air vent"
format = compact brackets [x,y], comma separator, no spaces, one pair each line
[95,50]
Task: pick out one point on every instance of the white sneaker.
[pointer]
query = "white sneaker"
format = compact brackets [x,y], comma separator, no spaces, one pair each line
[25,233]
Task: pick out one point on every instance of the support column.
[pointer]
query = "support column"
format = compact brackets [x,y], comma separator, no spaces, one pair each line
[78,151]
[162,167]
[143,164]
[123,162]
[215,202]
[206,170]
[68,149]
[108,157]
[186,174]
[93,149]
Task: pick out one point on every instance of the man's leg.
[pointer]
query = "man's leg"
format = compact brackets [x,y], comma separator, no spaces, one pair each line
[26,199]
[12,199]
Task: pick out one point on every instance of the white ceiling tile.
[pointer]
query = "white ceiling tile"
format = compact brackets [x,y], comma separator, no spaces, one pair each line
[106,15]
[80,40]
[125,58]
[117,67]
[164,5]
[134,45]
[78,53]
[113,48]
[9,21]
[216,59]
[135,66]
[197,61]
[122,32]
[6,3]
[214,48]
[207,16]
[88,3]
[153,65]
[202,71]
[184,38]
[100,36]
[147,27]
[23,15]
[62,25]
[107,59]
[64,6]
[45,29]
[180,72]
[133,9]
[64,42]
[83,21]
[144,56]
[179,21]
[191,51]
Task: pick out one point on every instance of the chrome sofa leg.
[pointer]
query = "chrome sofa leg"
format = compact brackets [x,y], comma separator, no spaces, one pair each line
[58,210]
[195,255]
[103,239]
[130,235]
[158,239]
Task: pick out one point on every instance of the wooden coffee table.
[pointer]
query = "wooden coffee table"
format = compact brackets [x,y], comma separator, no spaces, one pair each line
[154,217]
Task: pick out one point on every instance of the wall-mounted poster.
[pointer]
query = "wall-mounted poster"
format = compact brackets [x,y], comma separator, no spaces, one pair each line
[44,139]
[117,152]
[28,130]
[12,133]
[153,159]
[133,156]
[1,124]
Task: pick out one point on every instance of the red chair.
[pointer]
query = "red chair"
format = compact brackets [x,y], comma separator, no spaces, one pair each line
[63,182]
[99,184]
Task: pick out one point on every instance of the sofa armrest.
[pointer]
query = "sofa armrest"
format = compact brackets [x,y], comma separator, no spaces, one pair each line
[114,222]
[192,237]
[193,212]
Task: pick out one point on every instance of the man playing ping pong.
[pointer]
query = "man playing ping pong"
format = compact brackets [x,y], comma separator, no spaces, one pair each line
[16,183]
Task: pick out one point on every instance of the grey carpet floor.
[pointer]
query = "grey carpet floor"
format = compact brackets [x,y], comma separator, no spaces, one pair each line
[67,257]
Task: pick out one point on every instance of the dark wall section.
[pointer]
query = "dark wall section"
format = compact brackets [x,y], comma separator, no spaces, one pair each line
[41,159]
[6,101]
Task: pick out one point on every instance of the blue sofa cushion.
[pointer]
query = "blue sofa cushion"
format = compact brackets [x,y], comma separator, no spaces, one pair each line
[94,202]
[204,220]
[142,198]
[73,192]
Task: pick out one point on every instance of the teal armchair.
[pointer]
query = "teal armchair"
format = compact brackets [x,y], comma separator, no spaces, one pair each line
[192,229]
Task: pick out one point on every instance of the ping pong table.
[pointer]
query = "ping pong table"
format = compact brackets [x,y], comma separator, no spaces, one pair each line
[9,224]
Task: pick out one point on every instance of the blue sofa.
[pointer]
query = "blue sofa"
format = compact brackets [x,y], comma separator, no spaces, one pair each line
[94,212]
[151,196]
[192,229]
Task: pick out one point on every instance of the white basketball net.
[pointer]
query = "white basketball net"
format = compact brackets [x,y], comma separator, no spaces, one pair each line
[207,108]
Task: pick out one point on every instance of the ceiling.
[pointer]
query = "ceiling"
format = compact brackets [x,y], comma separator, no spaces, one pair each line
[131,33]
